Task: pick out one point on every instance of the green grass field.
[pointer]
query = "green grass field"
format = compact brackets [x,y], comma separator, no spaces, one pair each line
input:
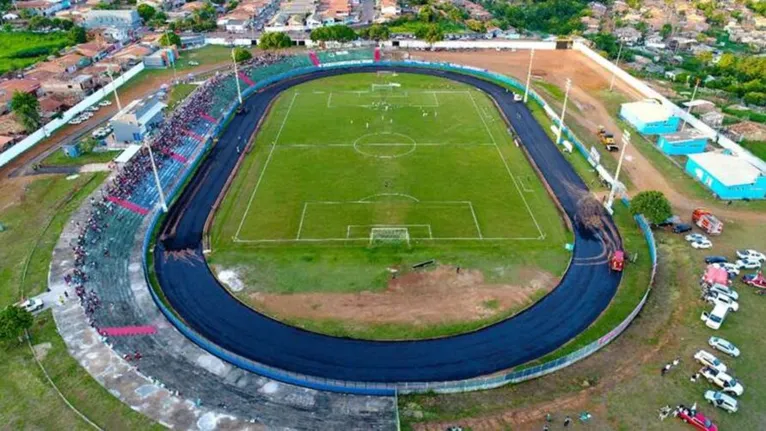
[21,49]
[59,158]
[349,177]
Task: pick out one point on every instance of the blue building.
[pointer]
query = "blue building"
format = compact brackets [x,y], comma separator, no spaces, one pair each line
[728,176]
[690,141]
[649,117]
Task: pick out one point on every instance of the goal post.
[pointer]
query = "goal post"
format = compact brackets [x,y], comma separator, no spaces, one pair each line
[390,87]
[389,236]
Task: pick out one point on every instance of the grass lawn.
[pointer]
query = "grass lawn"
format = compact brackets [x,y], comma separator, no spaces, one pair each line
[435,163]
[21,49]
[413,26]
[758,148]
[28,402]
[59,158]
[179,93]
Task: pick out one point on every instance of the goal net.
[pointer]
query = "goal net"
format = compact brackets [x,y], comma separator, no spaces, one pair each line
[389,235]
[390,87]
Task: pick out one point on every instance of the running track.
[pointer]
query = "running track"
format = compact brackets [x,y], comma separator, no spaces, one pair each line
[584,292]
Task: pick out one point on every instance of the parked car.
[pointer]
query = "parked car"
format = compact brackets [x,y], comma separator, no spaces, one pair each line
[517,97]
[722,401]
[723,346]
[75,121]
[715,259]
[93,108]
[751,254]
[717,315]
[682,228]
[748,264]
[702,244]
[729,384]
[726,290]
[716,298]
[729,267]
[695,237]
[756,280]
[709,360]
[698,420]
[31,305]
[104,103]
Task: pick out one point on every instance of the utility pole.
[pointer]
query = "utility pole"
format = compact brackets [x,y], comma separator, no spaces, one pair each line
[563,112]
[167,36]
[236,76]
[625,142]
[689,108]
[163,204]
[529,74]
[617,63]
[114,89]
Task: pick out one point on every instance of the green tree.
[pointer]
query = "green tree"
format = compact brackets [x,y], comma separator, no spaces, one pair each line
[242,54]
[27,110]
[755,98]
[433,33]
[169,38]
[78,35]
[13,322]
[653,205]
[146,12]
[666,30]
[375,32]
[427,14]
[476,26]
[338,33]
[275,40]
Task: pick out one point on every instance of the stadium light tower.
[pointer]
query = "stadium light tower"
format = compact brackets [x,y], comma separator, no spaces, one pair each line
[615,182]
[163,204]
[616,63]
[529,74]
[689,108]
[236,76]
[167,36]
[563,112]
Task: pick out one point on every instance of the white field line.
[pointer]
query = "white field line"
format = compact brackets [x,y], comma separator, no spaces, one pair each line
[507,168]
[317,240]
[475,220]
[382,144]
[265,165]
[329,100]
[303,215]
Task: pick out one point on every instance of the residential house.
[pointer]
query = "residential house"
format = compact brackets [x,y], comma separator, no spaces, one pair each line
[748,130]
[46,8]
[597,9]
[11,86]
[238,25]
[6,142]
[131,55]
[65,64]
[94,51]
[759,22]
[50,107]
[78,86]
[628,35]
[390,9]
[126,20]
[695,23]
[591,24]
[192,40]
[476,11]
[620,6]
[100,72]
[713,119]
[192,6]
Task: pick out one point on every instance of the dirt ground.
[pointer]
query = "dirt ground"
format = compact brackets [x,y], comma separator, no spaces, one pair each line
[588,79]
[437,296]
[12,190]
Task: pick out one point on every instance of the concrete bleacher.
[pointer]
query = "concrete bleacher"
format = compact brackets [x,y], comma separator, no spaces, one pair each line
[197,384]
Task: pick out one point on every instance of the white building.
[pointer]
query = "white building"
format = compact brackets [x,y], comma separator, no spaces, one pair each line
[133,123]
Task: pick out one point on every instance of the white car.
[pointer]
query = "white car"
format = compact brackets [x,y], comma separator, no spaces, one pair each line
[695,237]
[748,264]
[722,401]
[751,255]
[723,346]
[702,244]
[517,97]
[729,267]
[74,121]
[193,63]
[728,291]
[31,305]
[716,298]
[729,384]
[104,103]
[709,360]
[94,108]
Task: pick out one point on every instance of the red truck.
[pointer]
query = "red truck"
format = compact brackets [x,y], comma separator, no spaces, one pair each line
[707,221]
[617,260]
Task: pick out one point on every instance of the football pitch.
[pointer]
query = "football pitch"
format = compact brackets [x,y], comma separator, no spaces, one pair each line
[385,158]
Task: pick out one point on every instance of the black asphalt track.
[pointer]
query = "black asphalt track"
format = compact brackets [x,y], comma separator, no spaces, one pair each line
[583,293]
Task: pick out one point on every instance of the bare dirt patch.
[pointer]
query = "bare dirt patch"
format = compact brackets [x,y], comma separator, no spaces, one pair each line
[12,191]
[419,298]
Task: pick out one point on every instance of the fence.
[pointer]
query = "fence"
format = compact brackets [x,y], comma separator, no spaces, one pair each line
[388,389]
[44,132]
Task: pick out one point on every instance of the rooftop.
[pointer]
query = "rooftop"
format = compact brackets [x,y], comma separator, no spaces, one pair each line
[687,135]
[7,88]
[648,111]
[729,170]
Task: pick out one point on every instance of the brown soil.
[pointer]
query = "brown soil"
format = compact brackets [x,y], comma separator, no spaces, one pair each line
[12,190]
[588,79]
[437,296]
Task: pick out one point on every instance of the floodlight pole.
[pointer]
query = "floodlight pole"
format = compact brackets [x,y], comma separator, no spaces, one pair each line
[615,182]
[616,63]
[529,74]
[236,76]
[114,89]
[560,129]
[163,204]
[167,36]
[689,108]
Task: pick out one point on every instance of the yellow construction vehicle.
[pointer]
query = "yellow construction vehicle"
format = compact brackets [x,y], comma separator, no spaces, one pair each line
[606,139]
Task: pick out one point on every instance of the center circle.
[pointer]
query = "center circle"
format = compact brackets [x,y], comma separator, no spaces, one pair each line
[385,145]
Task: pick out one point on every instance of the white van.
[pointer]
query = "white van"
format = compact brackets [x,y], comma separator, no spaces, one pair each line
[715,318]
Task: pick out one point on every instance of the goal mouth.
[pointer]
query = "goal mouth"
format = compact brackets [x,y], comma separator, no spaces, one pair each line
[393,235]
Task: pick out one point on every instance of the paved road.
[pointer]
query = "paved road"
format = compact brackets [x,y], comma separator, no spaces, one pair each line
[583,293]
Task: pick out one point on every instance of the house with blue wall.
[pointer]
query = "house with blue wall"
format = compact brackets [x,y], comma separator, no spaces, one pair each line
[690,141]
[727,176]
[649,117]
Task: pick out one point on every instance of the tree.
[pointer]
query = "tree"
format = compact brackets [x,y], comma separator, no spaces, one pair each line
[666,30]
[170,39]
[275,40]
[146,12]
[78,35]
[27,110]
[242,54]
[338,33]
[13,322]
[476,26]
[375,32]
[653,205]
[433,34]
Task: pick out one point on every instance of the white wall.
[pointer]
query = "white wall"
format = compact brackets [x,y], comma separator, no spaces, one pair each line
[477,44]
[649,92]
[89,101]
